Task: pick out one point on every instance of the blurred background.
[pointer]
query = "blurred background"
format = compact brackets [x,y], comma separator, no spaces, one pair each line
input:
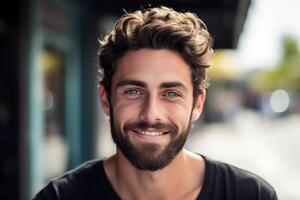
[51,120]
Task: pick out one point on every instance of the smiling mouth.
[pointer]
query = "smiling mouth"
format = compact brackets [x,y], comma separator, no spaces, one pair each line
[150,133]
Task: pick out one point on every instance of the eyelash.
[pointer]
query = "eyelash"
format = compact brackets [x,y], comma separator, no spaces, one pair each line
[130,92]
[174,94]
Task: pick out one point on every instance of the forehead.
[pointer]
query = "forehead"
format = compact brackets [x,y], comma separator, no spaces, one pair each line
[153,67]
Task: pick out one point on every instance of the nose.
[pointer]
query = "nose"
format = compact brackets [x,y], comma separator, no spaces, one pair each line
[150,111]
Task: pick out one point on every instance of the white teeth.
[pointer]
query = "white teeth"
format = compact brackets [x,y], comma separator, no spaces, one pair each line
[150,133]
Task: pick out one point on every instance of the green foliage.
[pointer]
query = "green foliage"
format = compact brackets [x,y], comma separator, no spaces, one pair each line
[286,75]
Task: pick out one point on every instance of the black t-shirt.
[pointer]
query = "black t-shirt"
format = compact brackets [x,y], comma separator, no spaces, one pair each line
[221,182]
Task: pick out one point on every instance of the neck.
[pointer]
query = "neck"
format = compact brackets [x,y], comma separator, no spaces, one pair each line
[185,175]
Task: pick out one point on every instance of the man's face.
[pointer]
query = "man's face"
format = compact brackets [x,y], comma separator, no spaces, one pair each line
[151,106]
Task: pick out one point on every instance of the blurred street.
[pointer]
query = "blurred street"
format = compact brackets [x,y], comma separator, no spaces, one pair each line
[269,148]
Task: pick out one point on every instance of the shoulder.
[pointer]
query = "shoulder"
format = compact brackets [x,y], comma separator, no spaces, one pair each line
[75,183]
[237,182]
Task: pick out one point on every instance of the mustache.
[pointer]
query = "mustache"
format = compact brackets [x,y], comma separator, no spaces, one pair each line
[146,125]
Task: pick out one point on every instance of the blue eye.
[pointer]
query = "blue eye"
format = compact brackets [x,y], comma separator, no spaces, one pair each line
[132,92]
[171,94]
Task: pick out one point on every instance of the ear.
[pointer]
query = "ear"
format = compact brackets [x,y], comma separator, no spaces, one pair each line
[104,99]
[197,110]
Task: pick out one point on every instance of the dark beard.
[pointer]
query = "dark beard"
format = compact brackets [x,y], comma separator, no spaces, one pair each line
[149,156]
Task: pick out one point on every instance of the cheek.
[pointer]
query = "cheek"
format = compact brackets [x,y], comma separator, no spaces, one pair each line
[180,116]
[124,111]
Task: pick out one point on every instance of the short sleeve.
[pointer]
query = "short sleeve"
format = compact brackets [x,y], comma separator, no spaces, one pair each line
[47,193]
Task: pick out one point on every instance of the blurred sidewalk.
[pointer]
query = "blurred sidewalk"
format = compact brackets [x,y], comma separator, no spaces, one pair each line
[269,148]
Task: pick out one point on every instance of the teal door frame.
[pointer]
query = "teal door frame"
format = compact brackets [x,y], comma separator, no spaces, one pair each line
[70,45]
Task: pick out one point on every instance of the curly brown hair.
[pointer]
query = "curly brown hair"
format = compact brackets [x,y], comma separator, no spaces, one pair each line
[158,28]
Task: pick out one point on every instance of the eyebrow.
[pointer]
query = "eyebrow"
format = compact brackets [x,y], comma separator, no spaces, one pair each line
[131,82]
[138,83]
[172,85]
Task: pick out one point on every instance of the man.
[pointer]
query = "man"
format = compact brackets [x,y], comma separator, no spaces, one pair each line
[154,79]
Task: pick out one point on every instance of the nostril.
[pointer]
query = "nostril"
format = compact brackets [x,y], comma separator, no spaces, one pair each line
[143,118]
